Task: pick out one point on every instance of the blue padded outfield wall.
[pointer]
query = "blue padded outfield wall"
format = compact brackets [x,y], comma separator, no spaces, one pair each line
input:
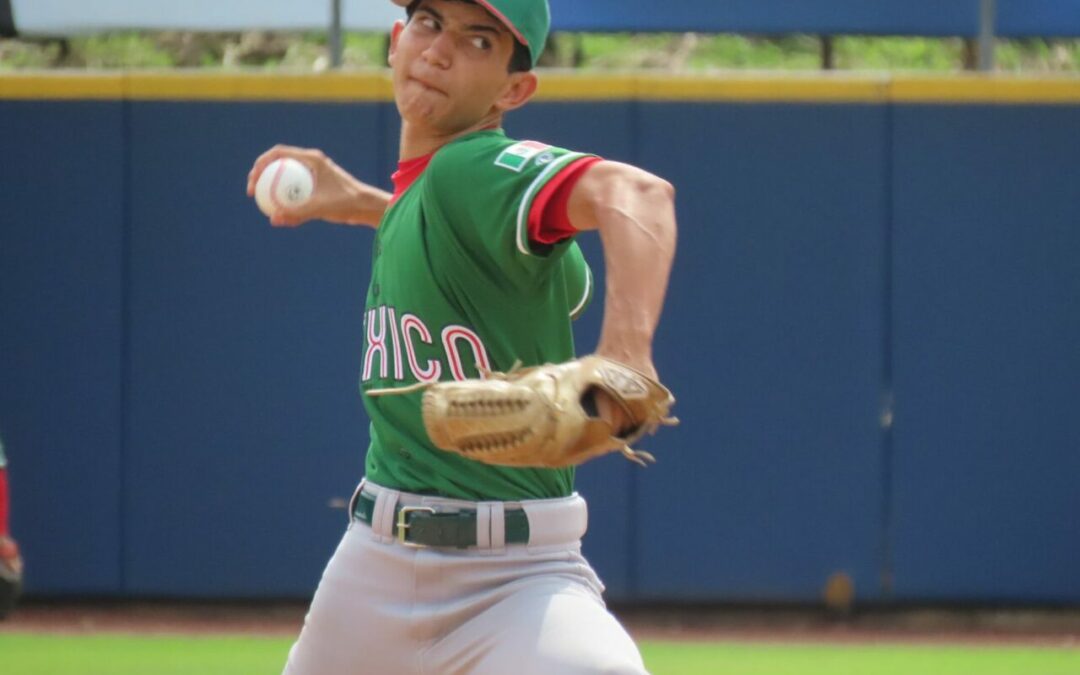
[872,330]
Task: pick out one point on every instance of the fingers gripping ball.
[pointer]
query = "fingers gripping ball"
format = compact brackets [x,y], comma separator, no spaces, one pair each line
[284,183]
[543,416]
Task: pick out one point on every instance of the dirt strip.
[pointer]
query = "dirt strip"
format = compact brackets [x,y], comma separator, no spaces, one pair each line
[915,626]
[157,618]
[972,627]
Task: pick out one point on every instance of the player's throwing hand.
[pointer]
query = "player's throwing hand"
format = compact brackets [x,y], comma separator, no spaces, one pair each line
[338,196]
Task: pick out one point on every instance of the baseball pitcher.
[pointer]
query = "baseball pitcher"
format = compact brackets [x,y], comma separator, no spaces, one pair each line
[463,550]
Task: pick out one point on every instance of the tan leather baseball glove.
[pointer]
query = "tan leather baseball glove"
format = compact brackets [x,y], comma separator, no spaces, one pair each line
[545,415]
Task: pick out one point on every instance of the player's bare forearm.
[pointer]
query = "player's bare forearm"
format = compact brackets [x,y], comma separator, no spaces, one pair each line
[364,205]
[634,212]
[338,196]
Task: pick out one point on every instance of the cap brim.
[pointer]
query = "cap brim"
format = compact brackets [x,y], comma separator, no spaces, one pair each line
[505,21]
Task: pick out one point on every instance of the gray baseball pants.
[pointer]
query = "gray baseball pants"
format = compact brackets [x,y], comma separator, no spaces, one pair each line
[385,608]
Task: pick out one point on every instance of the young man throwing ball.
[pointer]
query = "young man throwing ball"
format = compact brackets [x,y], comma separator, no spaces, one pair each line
[453,565]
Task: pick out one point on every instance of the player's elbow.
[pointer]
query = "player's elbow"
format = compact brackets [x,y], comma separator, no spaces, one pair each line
[663,190]
[658,198]
[629,180]
[618,195]
[649,186]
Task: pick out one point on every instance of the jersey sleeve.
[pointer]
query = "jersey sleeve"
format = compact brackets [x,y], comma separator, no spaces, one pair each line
[549,221]
[485,188]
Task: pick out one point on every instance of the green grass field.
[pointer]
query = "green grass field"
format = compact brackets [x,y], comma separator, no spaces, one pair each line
[121,655]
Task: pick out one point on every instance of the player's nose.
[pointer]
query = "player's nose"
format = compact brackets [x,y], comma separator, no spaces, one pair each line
[439,52]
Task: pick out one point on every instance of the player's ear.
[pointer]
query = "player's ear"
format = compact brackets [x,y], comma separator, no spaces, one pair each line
[519,88]
[395,34]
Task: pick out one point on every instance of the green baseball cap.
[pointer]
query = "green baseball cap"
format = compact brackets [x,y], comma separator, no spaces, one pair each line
[528,20]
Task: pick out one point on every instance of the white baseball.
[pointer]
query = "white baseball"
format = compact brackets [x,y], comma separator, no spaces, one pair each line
[283,183]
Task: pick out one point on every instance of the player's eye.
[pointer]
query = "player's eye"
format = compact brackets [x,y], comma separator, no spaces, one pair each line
[428,22]
[481,43]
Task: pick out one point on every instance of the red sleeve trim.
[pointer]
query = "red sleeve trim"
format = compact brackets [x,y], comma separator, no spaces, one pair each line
[549,219]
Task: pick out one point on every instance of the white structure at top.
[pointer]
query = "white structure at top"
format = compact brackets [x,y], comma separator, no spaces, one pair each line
[72,17]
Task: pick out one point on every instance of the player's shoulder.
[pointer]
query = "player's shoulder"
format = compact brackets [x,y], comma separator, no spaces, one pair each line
[492,153]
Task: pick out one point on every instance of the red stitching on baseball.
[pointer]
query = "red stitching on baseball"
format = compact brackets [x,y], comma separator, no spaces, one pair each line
[274,185]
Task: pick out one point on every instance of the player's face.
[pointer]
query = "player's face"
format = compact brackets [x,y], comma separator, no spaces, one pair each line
[450,65]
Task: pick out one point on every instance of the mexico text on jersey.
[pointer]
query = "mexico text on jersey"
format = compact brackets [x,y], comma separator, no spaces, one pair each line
[454,292]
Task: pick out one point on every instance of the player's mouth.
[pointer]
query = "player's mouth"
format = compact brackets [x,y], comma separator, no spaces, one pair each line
[427,85]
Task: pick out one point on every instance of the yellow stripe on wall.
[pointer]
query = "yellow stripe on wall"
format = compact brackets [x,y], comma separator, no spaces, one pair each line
[261,87]
[985,89]
[201,86]
[60,85]
[823,87]
[723,87]
[814,87]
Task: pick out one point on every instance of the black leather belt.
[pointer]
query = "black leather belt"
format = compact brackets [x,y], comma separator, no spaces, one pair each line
[424,526]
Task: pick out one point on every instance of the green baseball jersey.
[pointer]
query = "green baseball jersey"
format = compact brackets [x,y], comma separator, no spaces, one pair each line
[456,287]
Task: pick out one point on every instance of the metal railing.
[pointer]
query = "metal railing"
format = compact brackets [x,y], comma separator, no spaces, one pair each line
[985,45]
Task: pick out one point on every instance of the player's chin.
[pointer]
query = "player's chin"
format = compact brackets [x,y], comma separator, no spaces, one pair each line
[422,110]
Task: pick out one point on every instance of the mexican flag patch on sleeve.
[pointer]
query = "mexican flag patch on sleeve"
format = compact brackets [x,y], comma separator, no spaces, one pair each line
[518,155]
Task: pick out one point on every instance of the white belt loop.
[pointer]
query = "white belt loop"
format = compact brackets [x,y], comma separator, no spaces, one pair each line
[484,512]
[498,527]
[382,521]
[352,502]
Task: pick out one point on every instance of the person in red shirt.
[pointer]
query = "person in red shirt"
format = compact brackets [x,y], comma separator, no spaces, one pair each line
[10,563]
